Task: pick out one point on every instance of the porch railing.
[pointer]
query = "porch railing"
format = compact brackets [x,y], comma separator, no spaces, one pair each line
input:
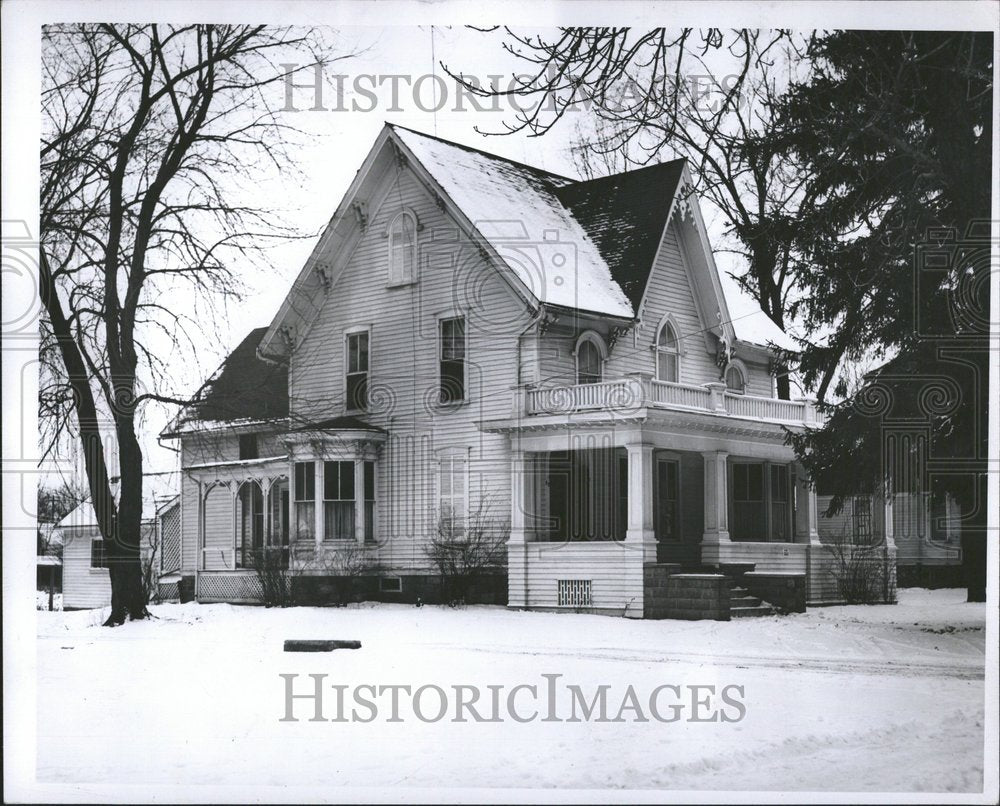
[629,394]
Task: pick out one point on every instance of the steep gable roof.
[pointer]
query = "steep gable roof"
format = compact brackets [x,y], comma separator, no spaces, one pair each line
[517,210]
[625,215]
[583,245]
[244,388]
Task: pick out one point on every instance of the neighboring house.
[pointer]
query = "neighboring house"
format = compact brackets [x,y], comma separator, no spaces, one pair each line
[471,329]
[927,533]
[48,573]
[48,562]
[85,579]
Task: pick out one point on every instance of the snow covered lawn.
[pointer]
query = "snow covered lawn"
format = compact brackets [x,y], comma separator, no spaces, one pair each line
[875,698]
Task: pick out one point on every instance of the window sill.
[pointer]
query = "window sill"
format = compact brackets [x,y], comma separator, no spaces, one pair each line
[451,405]
[401,285]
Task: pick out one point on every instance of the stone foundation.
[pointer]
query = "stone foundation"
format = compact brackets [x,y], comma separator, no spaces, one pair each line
[669,594]
[785,591]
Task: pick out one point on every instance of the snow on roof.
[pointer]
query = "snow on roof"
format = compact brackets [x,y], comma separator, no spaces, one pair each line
[245,388]
[156,489]
[626,214]
[515,208]
[751,324]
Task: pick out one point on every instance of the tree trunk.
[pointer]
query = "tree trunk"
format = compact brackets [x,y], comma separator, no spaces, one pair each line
[128,594]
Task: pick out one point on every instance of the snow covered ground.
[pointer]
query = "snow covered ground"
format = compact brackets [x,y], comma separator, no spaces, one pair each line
[42,600]
[843,699]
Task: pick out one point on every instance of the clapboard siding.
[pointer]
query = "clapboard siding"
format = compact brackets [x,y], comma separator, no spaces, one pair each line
[83,586]
[912,532]
[614,569]
[219,529]
[403,321]
[767,557]
[669,292]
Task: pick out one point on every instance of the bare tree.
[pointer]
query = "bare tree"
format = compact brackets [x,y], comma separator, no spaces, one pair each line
[702,95]
[464,550]
[148,136]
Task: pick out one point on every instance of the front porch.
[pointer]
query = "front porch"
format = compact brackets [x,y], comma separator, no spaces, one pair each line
[599,496]
[306,511]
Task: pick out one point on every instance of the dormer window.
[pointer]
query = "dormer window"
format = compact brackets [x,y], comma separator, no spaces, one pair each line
[403,249]
[736,380]
[589,358]
[668,359]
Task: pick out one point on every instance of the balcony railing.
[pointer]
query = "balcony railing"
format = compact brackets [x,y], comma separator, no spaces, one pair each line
[625,395]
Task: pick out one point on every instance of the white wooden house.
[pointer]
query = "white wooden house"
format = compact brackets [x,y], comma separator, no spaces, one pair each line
[85,579]
[470,329]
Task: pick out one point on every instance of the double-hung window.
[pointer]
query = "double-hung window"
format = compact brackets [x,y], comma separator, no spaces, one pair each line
[338,501]
[369,473]
[452,489]
[667,354]
[356,378]
[451,340]
[402,249]
[98,554]
[305,499]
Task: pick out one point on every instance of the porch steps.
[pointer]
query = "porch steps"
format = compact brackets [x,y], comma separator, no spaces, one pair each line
[743,605]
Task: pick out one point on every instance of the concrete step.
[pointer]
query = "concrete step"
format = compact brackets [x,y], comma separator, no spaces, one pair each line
[735,590]
[744,601]
[749,612]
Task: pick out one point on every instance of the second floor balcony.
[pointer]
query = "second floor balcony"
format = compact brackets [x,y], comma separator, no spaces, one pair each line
[639,391]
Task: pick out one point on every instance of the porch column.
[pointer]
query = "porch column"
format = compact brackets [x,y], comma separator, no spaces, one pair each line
[517,547]
[199,560]
[318,504]
[716,499]
[882,518]
[359,498]
[640,500]
[806,510]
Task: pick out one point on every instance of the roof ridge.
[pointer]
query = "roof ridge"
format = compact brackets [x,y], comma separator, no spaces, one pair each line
[628,173]
[489,154]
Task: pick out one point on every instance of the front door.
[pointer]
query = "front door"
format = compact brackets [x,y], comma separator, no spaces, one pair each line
[665,501]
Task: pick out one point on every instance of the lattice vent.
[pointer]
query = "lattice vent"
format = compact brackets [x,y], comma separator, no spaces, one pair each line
[575,593]
[235,588]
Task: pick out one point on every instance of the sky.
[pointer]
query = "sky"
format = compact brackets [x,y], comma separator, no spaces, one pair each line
[395,76]
[390,74]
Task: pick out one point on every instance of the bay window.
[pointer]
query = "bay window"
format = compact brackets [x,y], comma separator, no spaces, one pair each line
[338,500]
[305,499]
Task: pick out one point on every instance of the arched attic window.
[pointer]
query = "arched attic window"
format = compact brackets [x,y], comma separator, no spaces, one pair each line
[590,356]
[736,379]
[668,353]
[403,249]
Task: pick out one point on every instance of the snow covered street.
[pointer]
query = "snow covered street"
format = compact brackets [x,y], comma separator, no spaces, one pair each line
[881,698]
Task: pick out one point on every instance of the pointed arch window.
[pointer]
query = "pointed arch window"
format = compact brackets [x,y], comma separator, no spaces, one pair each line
[668,354]
[589,358]
[403,249]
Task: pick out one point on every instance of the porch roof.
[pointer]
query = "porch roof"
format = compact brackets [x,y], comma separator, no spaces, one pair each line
[344,423]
